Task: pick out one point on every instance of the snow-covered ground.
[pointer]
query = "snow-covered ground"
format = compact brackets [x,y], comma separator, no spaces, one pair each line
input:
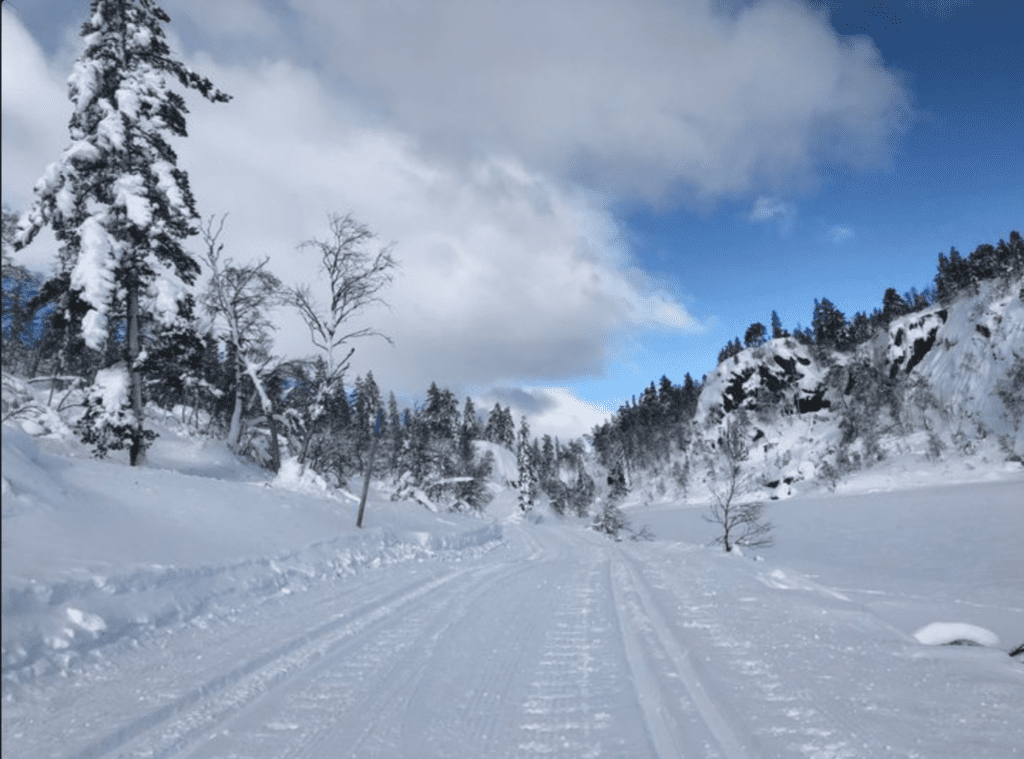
[188,609]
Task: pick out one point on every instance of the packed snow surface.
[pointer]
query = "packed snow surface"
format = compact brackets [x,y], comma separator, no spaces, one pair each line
[191,608]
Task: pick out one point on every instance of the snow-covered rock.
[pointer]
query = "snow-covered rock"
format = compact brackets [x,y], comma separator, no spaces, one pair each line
[952,633]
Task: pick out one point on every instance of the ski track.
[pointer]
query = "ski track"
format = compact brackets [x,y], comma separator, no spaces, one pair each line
[559,645]
[680,724]
[806,672]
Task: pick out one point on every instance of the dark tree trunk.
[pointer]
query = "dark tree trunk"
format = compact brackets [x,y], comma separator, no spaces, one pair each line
[366,482]
[275,445]
[136,453]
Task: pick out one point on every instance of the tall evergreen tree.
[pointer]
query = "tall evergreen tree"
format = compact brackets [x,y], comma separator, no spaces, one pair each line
[367,404]
[501,429]
[893,306]
[116,201]
[492,432]
[395,436]
[548,460]
[829,325]
[1011,255]
[470,423]
[860,328]
[526,465]
[756,335]
[953,276]
[508,429]
[441,414]
[777,330]
[984,262]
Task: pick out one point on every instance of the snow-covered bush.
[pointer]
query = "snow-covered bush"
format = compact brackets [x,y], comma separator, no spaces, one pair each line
[108,423]
[610,520]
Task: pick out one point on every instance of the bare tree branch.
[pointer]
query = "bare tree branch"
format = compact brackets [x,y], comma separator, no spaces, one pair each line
[355,276]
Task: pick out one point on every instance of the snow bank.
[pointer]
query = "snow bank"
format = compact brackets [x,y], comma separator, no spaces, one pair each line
[945,633]
[97,554]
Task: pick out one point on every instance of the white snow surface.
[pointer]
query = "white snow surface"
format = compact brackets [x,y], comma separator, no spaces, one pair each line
[192,608]
[946,633]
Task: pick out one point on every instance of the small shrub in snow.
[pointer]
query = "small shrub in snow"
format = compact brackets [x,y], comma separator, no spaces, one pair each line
[644,533]
[610,520]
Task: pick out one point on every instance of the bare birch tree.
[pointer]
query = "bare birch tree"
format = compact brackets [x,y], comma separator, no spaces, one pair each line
[355,272]
[742,521]
[239,299]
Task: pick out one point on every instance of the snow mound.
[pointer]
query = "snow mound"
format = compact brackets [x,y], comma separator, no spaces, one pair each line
[295,477]
[947,633]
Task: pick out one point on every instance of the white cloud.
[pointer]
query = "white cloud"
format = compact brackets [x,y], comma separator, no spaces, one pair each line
[839,233]
[768,209]
[554,411]
[649,99]
[506,276]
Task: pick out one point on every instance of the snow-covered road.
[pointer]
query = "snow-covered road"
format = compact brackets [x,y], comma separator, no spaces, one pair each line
[556,643]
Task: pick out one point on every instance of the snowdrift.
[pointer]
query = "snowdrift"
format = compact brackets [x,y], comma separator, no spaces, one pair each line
[98,554]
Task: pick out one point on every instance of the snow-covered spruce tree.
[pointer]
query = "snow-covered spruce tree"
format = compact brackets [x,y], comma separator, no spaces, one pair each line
[118,205]
[368,403]
[526,466]
[396,437]
[610,520]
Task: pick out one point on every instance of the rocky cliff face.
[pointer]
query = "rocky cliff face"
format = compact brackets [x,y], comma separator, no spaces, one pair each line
[935,381]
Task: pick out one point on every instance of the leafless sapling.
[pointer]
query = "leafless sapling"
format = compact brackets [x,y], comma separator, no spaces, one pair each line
[238,298]
[355,273]
[741,521]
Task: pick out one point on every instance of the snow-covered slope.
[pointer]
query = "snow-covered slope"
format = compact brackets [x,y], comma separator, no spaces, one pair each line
[182,615]
[963,353]
[780,371]
[945,368]
[96,554]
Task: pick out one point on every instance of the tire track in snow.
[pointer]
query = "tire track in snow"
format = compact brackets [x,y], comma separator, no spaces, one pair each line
[192,714]
[644,631]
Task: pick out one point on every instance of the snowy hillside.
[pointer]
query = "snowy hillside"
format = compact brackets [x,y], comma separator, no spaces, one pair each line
[964,354]
[937,380]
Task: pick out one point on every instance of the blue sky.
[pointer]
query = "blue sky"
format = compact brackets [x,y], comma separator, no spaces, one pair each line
[955,177]
[584,195]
